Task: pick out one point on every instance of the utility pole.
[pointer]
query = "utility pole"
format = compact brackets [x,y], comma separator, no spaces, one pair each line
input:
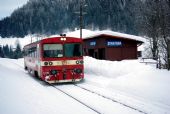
[81,13]
[81,18]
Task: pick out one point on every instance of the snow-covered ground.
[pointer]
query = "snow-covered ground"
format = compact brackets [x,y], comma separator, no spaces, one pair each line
[129,82]
[147,85]
[23,94]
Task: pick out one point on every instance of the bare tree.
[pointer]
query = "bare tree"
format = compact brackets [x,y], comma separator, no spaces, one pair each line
[156,25]
[165,28]
[150,25]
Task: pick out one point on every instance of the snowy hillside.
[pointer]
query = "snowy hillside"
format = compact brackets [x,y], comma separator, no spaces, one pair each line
[22,41]
[134,87]
[54,16]
[86,34]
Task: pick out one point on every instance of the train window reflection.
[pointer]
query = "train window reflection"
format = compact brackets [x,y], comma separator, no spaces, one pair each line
[73,50]
[53,50]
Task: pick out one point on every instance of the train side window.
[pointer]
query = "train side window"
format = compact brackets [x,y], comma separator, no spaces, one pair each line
[29,52]
[35,54]
[25,52]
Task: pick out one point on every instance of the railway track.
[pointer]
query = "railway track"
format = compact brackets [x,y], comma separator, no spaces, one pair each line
[113,100]
[76,99]
[99,95]
[90,91]
[97,112]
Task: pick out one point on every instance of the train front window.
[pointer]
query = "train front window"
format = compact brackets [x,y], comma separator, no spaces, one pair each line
[73,50]
[53,50]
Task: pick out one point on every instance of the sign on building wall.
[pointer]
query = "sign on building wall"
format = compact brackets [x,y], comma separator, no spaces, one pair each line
[93,43]
[114,43]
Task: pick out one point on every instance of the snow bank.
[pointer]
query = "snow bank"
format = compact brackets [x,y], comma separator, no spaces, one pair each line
[130,77]
[113,69]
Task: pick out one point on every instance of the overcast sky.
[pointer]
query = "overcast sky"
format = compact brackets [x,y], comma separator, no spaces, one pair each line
[8,6]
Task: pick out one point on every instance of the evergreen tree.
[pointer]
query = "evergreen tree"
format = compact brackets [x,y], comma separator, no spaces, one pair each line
[6,50]
[1,52]
[11,53]
[18,52]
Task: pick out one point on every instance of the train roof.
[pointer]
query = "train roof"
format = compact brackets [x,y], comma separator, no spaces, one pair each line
[53,38]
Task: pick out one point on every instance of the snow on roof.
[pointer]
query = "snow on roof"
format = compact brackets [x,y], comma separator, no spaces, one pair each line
[87,34]
[53,36]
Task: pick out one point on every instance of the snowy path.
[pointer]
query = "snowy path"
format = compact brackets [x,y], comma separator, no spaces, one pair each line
[23,94]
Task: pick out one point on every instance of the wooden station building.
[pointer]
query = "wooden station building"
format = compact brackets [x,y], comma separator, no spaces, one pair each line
[109,45]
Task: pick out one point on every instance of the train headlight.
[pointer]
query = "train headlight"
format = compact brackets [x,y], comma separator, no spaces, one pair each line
[78,71]
[63,39]
[79,62]
[53,72]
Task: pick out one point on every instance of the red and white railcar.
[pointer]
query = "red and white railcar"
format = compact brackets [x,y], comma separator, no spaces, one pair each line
[55,60]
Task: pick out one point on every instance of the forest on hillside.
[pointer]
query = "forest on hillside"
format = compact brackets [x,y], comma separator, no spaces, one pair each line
[56,16]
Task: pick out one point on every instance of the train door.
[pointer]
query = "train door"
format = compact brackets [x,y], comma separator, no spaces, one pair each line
[38,60]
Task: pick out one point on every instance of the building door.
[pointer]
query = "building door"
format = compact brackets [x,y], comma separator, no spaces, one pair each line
[96,54]
[101,52]
[91,53]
